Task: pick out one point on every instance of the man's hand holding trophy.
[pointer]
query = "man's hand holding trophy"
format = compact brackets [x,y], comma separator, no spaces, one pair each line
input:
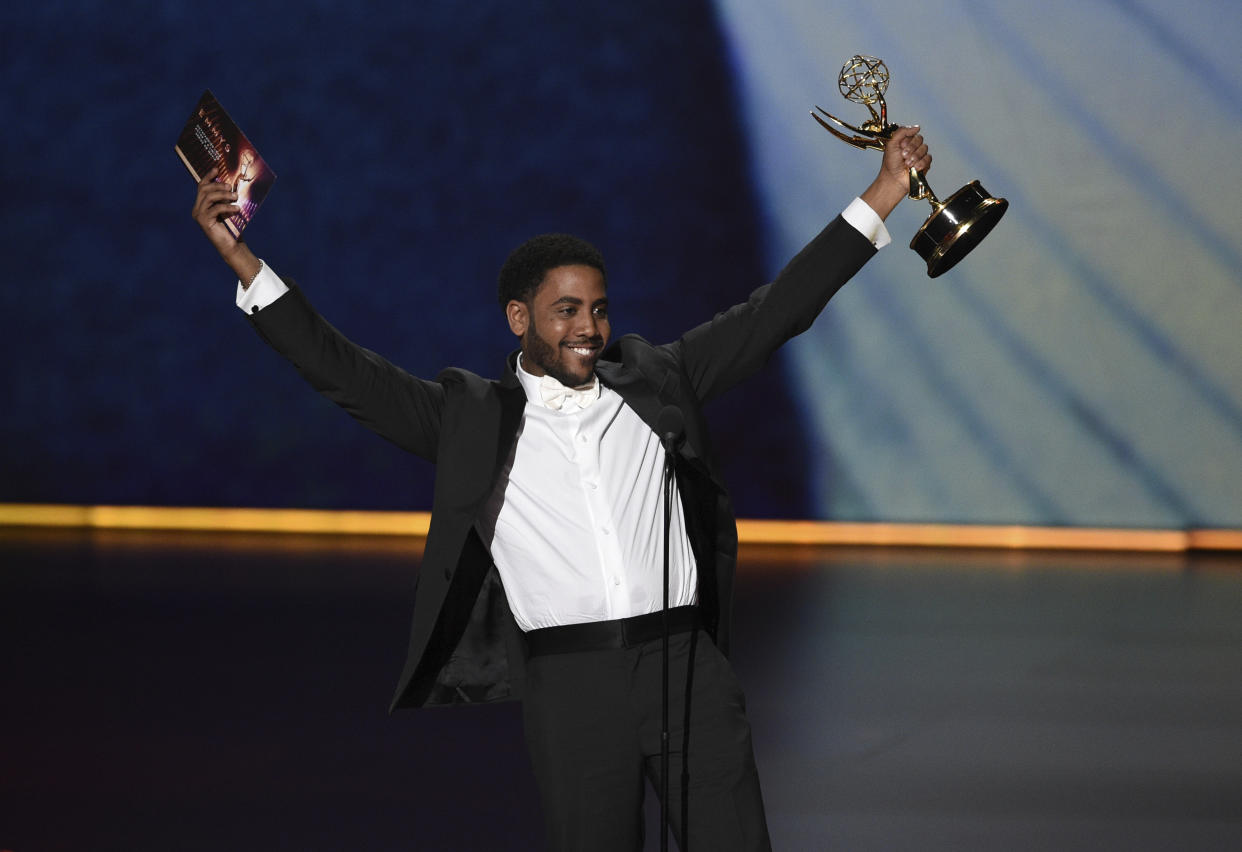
[955,226]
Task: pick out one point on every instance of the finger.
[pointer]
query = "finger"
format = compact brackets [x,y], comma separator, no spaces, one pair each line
[229,199]
[208,199]
[214,191]
[221,210]
[213,194]
[210,176]
[911,154]
[901,134]
[208,189]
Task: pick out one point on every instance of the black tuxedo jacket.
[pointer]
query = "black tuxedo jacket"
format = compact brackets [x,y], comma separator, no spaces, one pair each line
[464,644]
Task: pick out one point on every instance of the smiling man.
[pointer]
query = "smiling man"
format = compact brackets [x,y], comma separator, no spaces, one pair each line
[542,576]
[569,299]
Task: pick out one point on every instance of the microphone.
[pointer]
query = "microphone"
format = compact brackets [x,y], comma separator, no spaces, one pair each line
[671,427]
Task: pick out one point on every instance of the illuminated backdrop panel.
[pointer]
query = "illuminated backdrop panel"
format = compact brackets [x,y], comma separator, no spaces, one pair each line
[1081,367]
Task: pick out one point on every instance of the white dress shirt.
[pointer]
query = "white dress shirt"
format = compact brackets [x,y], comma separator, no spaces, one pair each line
[576,522]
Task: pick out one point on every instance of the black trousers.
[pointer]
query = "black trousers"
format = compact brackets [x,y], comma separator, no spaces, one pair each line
[593,721]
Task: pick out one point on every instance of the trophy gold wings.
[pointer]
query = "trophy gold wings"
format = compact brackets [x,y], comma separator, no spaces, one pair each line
[955,226]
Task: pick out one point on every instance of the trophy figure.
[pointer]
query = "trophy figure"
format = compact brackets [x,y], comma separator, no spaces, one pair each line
[955,226]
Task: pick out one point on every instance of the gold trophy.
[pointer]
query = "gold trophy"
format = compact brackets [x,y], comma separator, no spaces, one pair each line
[955,226]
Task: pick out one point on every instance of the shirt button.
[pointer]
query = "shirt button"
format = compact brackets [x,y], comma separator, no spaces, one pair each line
[616,581]
[592,486]
[582,439]
[606,531]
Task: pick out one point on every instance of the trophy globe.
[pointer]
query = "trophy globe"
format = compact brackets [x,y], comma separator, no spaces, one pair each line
[864,80]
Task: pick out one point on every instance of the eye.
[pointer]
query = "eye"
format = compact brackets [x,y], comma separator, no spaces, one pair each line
[601,312]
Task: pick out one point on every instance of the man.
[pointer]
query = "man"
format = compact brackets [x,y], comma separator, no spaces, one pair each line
[542,575]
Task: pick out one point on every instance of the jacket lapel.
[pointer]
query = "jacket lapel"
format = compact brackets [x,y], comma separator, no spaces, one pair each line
[512,404]
[646,400]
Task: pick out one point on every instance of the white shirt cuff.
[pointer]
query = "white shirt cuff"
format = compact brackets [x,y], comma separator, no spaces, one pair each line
[263,290]
[867,222]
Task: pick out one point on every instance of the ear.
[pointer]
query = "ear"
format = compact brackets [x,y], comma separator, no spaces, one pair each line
[518,315]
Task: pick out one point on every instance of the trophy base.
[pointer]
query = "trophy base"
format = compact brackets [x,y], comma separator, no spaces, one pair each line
[957,226]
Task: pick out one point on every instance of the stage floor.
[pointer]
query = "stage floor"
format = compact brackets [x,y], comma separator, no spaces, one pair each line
[209,692]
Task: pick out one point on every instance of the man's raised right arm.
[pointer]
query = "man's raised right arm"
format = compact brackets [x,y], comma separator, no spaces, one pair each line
[386,399]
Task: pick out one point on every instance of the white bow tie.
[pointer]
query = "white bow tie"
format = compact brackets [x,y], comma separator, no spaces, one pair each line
[555,394]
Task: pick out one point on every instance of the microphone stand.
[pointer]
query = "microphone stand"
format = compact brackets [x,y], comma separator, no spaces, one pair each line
[670,426]
[667,486]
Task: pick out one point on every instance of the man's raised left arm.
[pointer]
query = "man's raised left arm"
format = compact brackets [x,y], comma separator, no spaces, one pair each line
[736,343]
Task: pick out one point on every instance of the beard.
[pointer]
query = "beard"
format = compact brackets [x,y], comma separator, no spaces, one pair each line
[556,361]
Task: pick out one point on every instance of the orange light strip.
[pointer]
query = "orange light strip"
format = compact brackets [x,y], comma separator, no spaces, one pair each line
[335,522]
[324,521]
[976,536]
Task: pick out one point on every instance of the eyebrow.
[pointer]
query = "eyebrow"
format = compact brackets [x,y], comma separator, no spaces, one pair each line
[574,300]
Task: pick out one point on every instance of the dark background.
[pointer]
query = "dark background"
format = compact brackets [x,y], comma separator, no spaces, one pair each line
[415,146]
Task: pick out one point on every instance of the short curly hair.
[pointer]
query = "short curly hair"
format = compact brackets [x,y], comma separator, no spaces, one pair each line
[526,266]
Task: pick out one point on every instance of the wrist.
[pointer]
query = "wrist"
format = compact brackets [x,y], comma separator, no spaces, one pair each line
[885,193]
[246,282]
[243,263]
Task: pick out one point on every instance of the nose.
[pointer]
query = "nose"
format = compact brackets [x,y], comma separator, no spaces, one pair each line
[588,324]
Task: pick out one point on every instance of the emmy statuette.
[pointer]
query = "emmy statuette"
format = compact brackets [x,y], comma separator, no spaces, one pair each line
[955,226]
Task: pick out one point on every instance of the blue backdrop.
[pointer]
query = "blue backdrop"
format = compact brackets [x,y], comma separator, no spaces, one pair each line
[1081,368]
